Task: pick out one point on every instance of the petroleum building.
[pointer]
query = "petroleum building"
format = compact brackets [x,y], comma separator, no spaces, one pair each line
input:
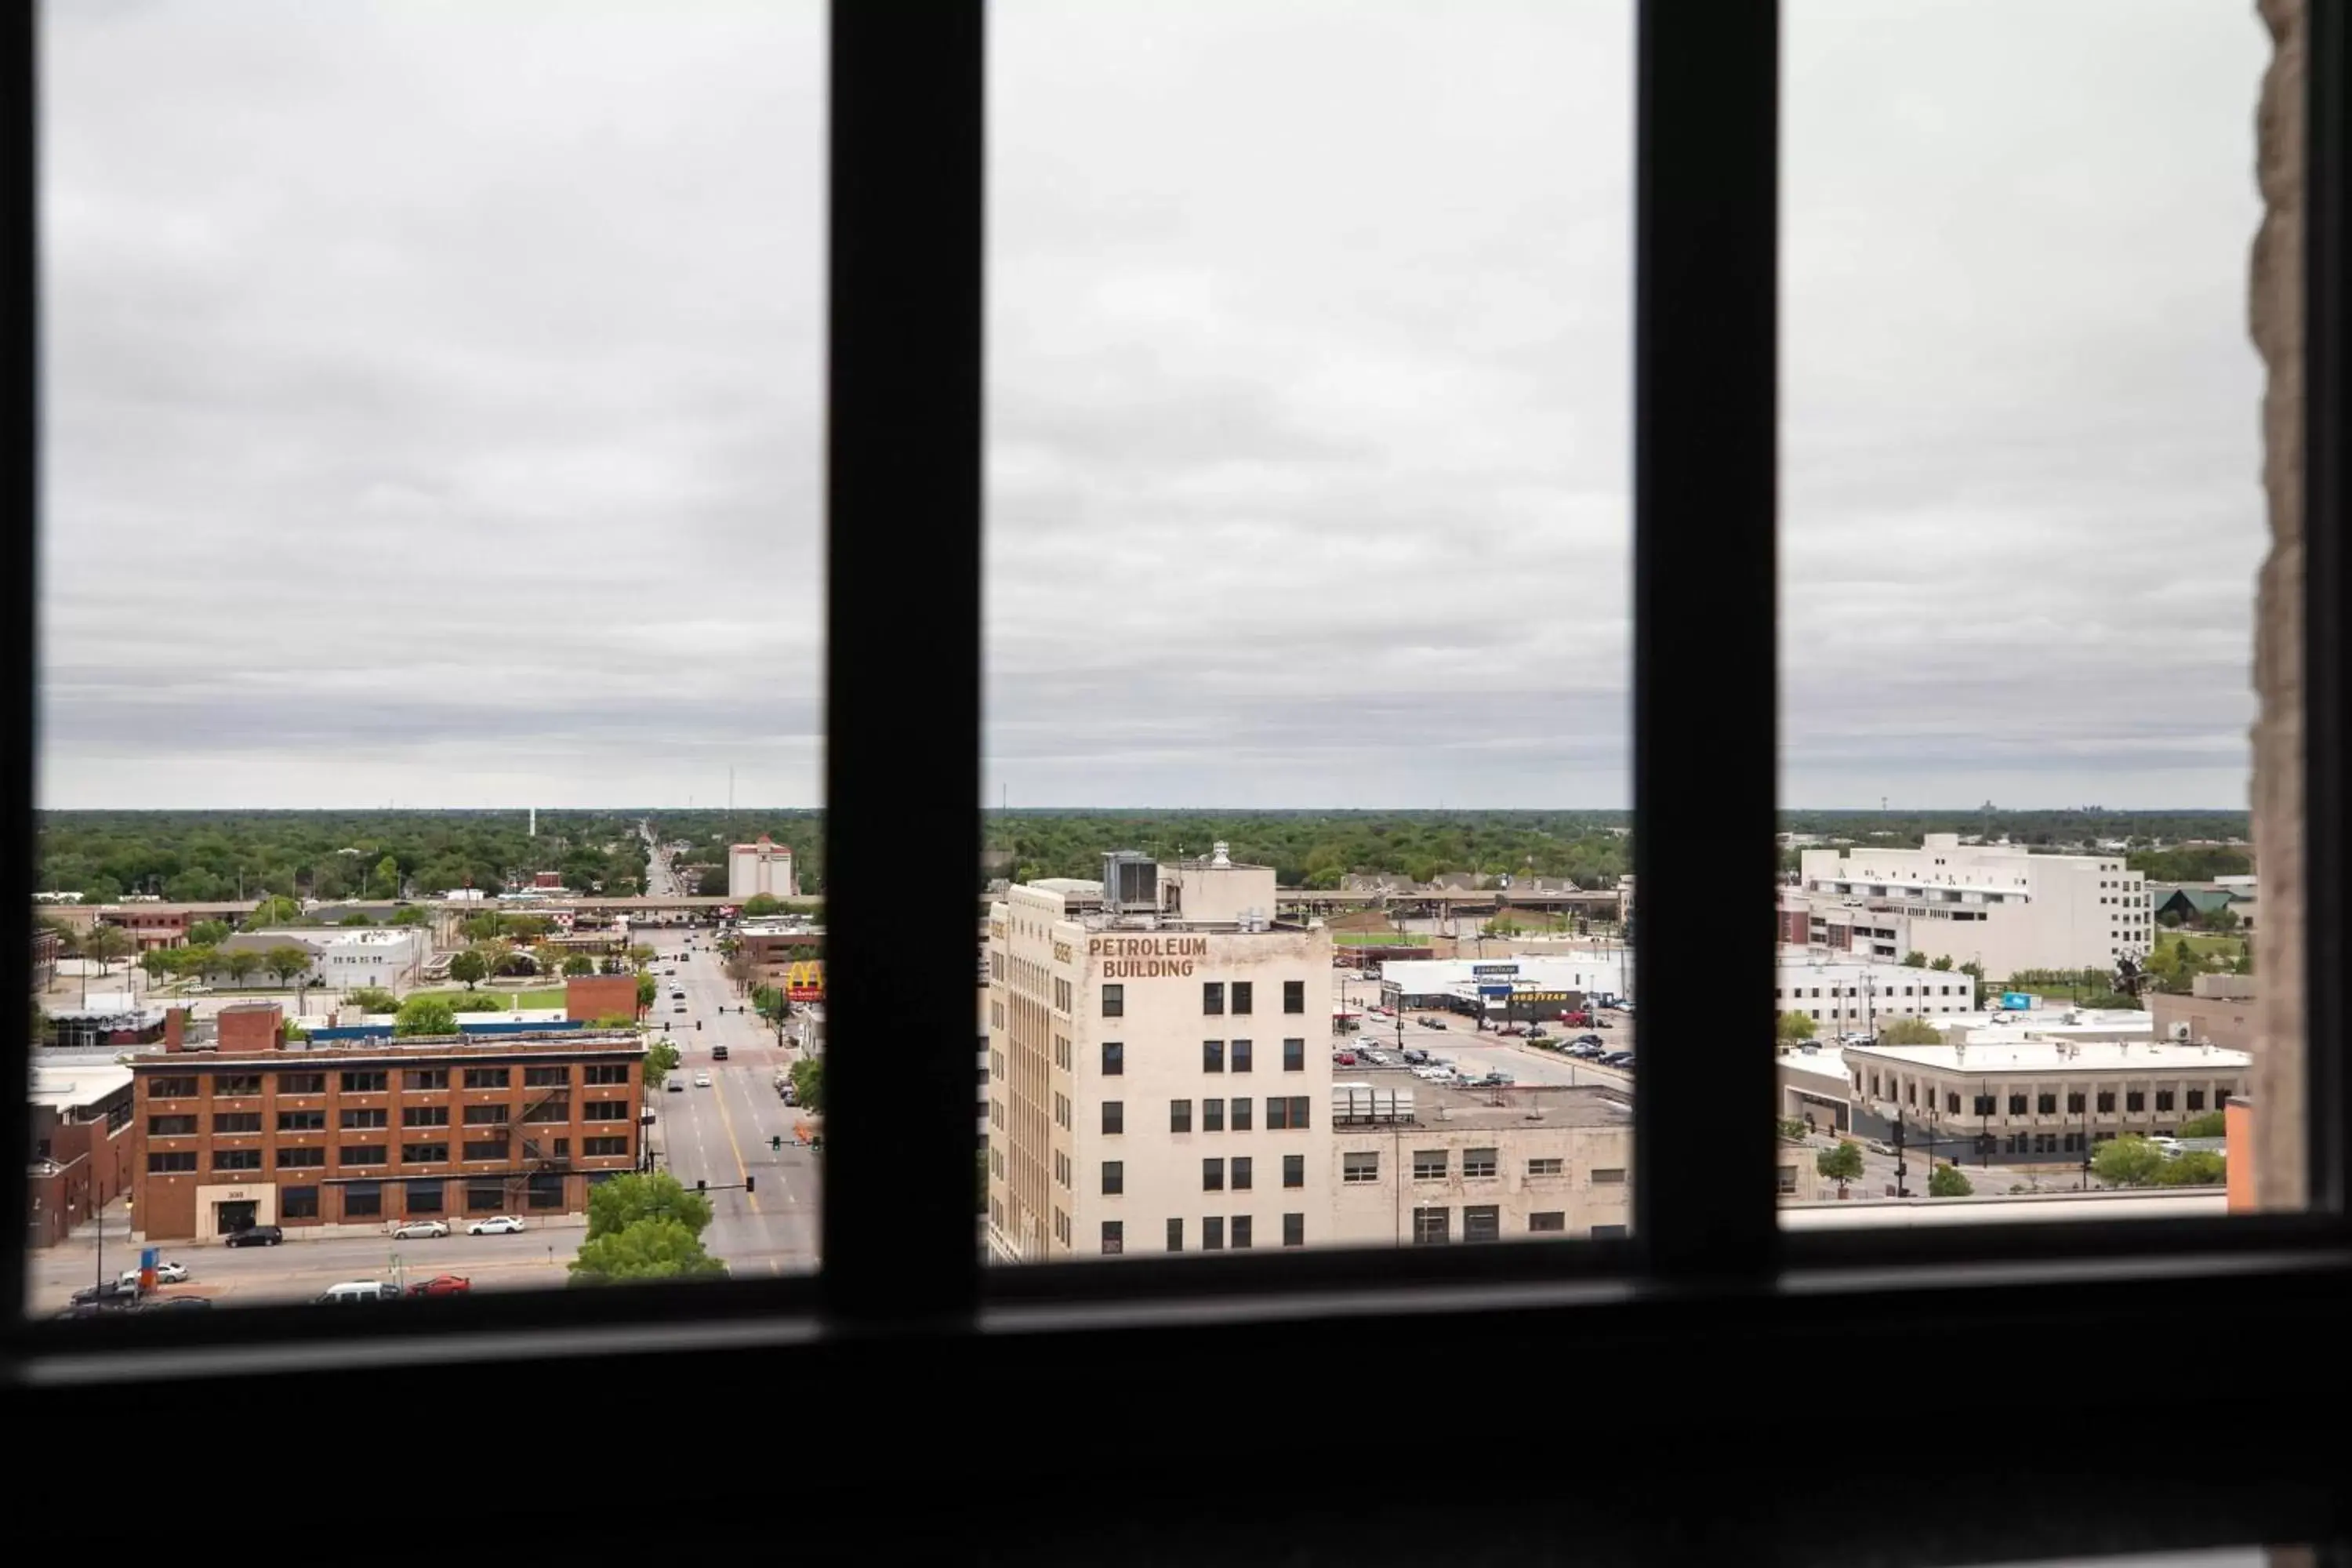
[250,1129]
[1159,1065]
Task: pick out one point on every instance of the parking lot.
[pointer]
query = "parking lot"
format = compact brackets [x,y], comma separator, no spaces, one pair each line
[1403,1044]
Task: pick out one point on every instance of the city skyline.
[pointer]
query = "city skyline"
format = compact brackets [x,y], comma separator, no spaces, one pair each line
[482,464]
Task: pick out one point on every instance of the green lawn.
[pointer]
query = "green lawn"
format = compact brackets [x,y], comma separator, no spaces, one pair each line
[2201,943]
[1377,938]
[526,1000]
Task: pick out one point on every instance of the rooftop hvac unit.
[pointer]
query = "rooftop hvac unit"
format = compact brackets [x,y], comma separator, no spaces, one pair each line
[1217,857]
[1130,883]
[2178,1031]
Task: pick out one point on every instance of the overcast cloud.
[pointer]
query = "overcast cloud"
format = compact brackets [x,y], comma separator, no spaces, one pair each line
[435,403]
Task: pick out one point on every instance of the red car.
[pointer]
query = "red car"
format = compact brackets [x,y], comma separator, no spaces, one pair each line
[442,1284]
[1343,1058]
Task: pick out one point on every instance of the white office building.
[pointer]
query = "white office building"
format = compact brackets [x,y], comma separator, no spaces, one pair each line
[1521,986]
[1160,1067]
[1853,995]
[765,867]
[1996,905]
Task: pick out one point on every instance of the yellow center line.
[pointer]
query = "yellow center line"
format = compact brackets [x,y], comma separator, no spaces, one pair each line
[742,1172]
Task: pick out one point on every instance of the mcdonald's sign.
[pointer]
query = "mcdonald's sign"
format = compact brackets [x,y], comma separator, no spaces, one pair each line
[805,982]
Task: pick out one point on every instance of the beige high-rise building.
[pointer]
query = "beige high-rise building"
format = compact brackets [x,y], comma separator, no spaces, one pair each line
[1159,1065]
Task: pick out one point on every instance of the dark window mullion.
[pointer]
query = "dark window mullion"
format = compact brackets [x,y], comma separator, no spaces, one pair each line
[19,143]
[1705,268]
[2327,593]
[902,756]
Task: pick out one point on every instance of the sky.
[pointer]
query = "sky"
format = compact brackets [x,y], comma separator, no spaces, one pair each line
[433,403]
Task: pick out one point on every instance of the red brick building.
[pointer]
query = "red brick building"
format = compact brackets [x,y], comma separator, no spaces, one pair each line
[254,1132]
[588,997]
[149,925]
[85,1146]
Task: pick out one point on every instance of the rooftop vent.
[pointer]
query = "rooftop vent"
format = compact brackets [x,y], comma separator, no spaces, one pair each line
[1217,857]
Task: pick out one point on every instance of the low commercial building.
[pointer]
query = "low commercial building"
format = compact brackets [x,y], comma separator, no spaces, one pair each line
[109,1024]
[47,948]
[85,1146]
[388,958]
[155,924]
[257,1130]
[1421,1165]
[2033,1098]
[1509,988]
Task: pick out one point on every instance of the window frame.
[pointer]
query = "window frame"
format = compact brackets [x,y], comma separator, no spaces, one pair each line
[905,379]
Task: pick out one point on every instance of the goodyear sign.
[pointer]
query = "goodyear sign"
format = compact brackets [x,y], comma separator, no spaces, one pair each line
[805,982]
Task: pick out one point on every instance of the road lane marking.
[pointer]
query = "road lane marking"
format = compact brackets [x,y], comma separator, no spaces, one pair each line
[742,1172]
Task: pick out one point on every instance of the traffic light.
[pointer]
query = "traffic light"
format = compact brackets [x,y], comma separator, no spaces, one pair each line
[750,1181]
[776,1140]
[699,1184]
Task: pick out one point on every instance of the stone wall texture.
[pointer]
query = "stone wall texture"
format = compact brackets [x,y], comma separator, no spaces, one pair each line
[2275,320]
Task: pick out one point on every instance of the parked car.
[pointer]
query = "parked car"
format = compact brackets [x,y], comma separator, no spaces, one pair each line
[170,1303]
[419,1229]
[674,1084]
[111,1294]
[442,1284]
[1587,1053]
[357,1292]
[1343,1058]
[165,1274]
[1588,1040]
[1415,1055]
[1617,1059]
[254,1236]
[496,1225]
[1497,1080]
[702,1080]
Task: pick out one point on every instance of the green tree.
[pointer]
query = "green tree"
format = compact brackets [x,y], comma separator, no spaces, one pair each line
[475,1002]
[373,999]
[209,934]
[2127,1162]
[426,1014]
[286,960]
[2212,1124]
[1909,1032]
[411,915]
[159,963]
[2193,1168]
[760,904]
[641,956]
[240,962]
[105,945]
[469,966]
[661,1060]
[1943,964]
[580,963]
[649,1250]
[488,926]
[202,962]
[647,989]
[1974,971]
[1947,1182]
[357,917]
[1793,1027]
[274,911]
[383,882]
[616,1205]
[1841,1165]
[1791,1128]
[614,1021]
[808,1085]
[1915,959]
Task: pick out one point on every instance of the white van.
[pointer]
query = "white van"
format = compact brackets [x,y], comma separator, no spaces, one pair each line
[354,1291]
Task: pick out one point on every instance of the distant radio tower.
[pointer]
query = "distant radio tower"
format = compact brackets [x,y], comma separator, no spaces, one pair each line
[534,822]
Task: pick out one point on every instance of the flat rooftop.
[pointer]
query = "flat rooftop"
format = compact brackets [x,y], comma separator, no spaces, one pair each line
[1473,1110]
[467,1048]
[2060,1056]
[79,1085]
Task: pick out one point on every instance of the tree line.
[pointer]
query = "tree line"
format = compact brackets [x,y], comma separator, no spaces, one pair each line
[202,857]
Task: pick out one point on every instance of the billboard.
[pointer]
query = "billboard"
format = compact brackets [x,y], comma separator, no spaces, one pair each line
[804,982]
[2016,1001]
[1481,971]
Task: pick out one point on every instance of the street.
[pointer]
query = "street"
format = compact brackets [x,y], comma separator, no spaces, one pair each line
[720,1134]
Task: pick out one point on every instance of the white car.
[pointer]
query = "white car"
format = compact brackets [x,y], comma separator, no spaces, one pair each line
[165,1274]
[496,1225]
[416,1229]
[702,1080]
